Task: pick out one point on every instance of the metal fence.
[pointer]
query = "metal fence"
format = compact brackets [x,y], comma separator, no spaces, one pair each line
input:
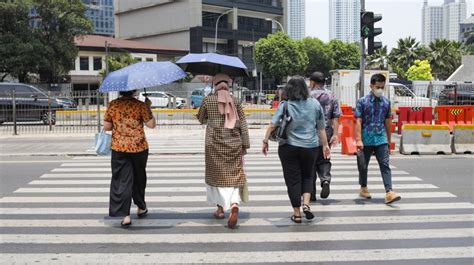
[83,112]
[402,95]
[65,111]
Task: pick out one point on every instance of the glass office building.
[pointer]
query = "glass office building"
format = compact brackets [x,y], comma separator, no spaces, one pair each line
[101,12]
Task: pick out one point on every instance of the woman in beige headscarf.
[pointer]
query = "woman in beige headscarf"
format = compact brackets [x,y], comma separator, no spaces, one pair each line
[227,140]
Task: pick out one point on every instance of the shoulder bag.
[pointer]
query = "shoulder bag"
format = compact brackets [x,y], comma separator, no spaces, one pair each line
[280,132]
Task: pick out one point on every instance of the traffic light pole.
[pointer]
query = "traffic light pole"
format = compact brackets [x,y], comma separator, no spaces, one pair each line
[362,57]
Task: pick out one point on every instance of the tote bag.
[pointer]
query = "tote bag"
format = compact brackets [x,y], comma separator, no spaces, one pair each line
[279,133]
[103,142]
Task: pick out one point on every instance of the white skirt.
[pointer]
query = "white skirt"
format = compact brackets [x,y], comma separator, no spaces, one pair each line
[223,196]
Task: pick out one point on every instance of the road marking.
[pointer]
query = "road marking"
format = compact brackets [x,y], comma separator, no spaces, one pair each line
[381,255]
[201,189]
[149,222]
[253,198]
[198,181]
[55,210]
[236,237]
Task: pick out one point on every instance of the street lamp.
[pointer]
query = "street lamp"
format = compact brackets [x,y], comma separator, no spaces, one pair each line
[279,24]
[217,22]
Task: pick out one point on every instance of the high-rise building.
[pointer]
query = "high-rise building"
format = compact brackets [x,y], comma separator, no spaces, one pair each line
[432,23]
[466,29]
[296,19]
[442,22]
[101,12]
[344,20]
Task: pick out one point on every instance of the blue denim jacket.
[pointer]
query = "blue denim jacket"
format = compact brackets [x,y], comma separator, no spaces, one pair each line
[307,117]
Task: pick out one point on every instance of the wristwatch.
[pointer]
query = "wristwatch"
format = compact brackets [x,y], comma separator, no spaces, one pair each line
[265,141]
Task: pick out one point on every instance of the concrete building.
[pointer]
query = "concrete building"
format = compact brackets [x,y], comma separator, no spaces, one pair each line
[466,28]
[432,23]
[442,22]
[344,20]
[91,58]
[101,12]
[191,24]
[296,19]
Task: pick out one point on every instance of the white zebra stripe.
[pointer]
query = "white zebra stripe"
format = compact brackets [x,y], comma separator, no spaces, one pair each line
[253,198]
[54,210]
[236,237]
[199,181]
[203,189]
[148,222]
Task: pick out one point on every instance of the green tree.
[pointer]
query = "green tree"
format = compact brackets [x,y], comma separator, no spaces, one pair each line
[18,47]
[378,60]
[61,21]
[445,57]
[345,55]
[319,56]
[118,61]
[420,70]
[404,55]
[280,56]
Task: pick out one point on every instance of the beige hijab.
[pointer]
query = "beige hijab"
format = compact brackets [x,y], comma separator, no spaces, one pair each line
[224,99]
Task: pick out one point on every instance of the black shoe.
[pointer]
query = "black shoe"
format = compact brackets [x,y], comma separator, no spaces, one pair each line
[307,211]
[142,214]
[312,198]
[325,190]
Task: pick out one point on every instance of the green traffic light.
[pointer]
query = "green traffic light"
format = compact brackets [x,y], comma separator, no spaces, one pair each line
[365,31]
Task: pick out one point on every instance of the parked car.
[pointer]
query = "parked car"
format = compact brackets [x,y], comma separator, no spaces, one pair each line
[32,103]
[198,95]
[160,99]
[463,94]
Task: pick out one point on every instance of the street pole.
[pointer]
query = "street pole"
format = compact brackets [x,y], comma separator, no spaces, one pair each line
[362,57]
[276,21]
[217,22]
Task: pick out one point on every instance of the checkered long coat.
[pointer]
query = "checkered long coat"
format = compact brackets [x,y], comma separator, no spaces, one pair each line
[223,147]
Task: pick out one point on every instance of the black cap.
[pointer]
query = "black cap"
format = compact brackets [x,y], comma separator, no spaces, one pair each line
[317,77]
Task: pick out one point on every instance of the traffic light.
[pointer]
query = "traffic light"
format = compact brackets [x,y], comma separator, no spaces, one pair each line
[367,30]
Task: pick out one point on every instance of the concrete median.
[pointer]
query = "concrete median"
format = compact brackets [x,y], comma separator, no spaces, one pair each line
[425,139]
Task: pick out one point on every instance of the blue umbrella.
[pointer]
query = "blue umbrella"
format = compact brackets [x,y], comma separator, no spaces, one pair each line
[142,75]
[212,64]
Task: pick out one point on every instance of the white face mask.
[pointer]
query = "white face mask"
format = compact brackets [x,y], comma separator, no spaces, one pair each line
[378,92]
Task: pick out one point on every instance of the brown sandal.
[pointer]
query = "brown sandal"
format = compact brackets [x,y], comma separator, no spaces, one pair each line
[219,215]
[233,217]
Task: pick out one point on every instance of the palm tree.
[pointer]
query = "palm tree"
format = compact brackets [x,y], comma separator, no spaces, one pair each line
[378,60]
[445,57]
[404,55]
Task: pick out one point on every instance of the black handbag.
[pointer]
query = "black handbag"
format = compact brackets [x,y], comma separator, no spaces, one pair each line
[279,133]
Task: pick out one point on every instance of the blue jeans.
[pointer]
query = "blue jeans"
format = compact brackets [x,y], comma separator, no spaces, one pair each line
[382,154]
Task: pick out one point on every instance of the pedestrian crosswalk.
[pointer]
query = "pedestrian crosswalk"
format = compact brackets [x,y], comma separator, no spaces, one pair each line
[61,218]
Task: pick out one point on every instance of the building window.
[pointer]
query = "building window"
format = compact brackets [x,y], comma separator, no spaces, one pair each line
[149,59]
[138,59]
[97,63]
[84,63]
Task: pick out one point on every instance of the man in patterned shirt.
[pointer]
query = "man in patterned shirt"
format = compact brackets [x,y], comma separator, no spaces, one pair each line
[373,135]
[332,112]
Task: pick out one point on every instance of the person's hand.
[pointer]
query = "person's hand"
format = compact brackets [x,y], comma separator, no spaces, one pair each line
[334,141]
[265,148]
[359,145]
[326,152]
[148,101]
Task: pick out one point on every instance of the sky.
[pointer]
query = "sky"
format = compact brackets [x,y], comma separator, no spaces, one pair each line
[400,18]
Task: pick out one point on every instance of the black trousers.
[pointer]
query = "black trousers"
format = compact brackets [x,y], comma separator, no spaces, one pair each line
[128,181]
[322,167]
[298,165]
